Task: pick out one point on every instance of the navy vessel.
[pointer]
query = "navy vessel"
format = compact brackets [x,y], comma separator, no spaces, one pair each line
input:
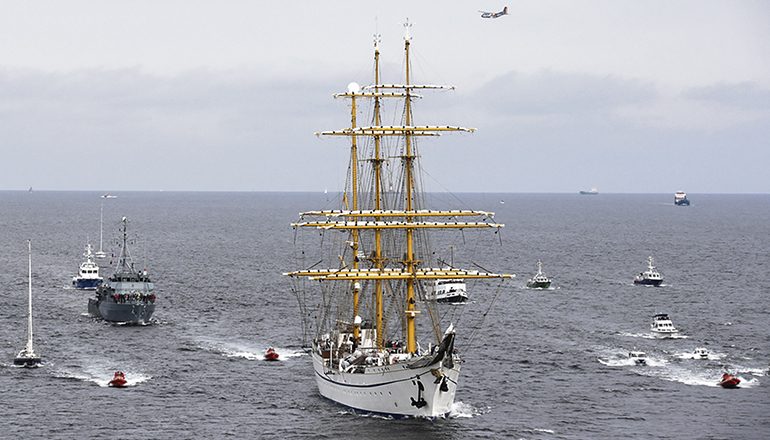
[127,295]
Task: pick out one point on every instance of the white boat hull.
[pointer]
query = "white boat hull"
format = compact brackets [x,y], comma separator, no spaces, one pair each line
[659,334]
[393,390]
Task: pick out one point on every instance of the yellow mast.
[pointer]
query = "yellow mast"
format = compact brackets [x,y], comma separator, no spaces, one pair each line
[411,312]
[377,162]
[354,232]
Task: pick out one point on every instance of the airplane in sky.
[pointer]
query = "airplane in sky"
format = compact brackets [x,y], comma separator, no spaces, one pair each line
[494,14]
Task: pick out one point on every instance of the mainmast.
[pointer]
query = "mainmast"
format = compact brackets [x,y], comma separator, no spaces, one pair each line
[411,311]
[353,89]
[377,165]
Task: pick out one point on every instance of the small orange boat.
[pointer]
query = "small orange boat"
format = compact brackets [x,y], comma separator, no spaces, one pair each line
[271,355]
[729,381]
[119,380]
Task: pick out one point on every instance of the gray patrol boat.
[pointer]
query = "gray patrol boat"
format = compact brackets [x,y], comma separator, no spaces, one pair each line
[127,295]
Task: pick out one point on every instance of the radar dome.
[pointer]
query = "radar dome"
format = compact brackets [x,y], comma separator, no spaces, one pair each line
[354,87]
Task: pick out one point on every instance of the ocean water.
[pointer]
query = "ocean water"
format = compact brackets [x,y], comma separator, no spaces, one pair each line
[544,364]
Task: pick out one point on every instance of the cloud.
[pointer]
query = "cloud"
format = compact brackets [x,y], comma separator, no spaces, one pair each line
[746,95]
[547,92]
[203,129]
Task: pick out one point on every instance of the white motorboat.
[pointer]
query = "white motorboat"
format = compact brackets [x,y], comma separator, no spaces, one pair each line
[452,290]
[88,275]
[639,357]
[701,353]
[662,326]
[448,291]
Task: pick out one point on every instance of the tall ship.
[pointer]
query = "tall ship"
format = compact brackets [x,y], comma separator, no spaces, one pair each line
[88,273]
[127,295]
[377,344]
[27,357]
[680,199]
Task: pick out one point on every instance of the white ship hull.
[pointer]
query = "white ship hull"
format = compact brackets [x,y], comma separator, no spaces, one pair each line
[393,390]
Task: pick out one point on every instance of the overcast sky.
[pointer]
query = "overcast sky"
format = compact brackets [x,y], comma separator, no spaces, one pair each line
[626,96]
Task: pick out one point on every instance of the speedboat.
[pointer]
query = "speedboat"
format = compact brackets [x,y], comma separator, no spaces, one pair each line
[271,355]
[650,277]
[662,326]
[680,199]
[539,281]
[639,357]
[729,381]
[701,353]
[119,380]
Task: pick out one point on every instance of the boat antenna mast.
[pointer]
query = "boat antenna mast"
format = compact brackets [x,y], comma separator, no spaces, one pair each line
[123,265]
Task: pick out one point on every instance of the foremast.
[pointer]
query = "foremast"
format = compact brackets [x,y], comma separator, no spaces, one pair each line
[125,270]
[409,219]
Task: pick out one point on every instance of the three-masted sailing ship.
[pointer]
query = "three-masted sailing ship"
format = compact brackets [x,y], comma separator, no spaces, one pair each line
[362,319]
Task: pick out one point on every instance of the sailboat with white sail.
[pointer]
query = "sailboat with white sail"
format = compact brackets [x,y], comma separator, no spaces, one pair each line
[361,321]
[27,357]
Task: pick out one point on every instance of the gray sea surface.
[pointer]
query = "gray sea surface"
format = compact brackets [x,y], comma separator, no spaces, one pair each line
[544,364]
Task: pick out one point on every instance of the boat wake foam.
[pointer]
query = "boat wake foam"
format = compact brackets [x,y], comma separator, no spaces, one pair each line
[649,335]
[102,375]
[246,350]
[462,410]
